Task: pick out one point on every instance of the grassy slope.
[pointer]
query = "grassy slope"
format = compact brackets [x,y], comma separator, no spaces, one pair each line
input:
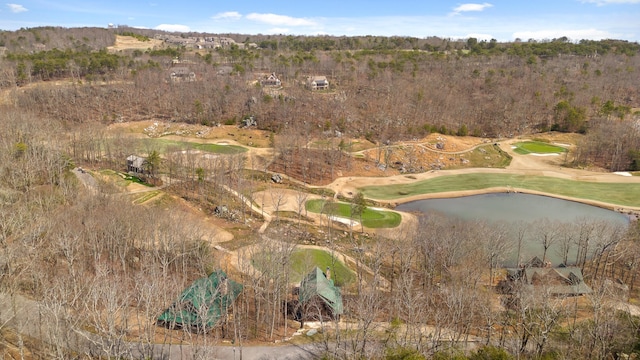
[303,261]
[537,147]
[370,218]
[614,193]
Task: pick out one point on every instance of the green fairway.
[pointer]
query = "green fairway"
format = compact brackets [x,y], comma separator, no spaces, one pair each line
[164,145]
[537,147]
[370,218]
[613,193]
[304,260]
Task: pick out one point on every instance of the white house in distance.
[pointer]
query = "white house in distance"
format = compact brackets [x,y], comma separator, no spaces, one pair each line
[270,80]
[318,82]
[181,73]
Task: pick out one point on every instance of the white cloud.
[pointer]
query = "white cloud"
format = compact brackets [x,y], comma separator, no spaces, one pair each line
[273,19]
[480,37]
[607,2]
[471,7]
[458,27]
[277,30]
[233,15]
[590,34]
[173,27]
[15,8]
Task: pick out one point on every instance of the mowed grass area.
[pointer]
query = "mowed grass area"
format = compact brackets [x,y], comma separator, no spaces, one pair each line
[146,197]
[370,218]
[164,145]
[121,179]
[304,260]
[612,193]
[537,147]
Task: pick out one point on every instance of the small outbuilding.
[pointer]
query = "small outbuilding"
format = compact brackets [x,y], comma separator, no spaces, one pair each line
[203,304]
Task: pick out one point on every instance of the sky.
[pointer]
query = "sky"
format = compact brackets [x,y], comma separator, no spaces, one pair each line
[503,20]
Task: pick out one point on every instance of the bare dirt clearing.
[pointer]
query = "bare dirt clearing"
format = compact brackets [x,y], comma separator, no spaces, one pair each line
[232,134]
[434,152]
[131,43]
[206,227]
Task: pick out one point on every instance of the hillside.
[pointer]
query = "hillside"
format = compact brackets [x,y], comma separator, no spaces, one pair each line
[135,163]
[384,95]
[123,43]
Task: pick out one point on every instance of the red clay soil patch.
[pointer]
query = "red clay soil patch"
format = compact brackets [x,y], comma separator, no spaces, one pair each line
[321,167]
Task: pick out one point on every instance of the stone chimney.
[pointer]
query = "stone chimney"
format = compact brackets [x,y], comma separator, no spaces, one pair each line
[224,286]
[327,273]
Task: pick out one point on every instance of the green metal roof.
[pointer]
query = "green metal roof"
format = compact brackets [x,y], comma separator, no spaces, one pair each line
[203,303]
[316,283]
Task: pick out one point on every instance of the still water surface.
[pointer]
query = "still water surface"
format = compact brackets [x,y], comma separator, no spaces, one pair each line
[517,208]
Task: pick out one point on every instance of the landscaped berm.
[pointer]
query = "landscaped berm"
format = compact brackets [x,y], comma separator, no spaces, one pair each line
[202,304]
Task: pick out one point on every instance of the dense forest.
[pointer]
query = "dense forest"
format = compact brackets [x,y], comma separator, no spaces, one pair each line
[95,264]
[385,89]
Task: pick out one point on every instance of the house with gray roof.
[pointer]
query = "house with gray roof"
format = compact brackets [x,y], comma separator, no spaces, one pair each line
[135,164]
[318,83]
[181,73]
[559,281]
[271,80]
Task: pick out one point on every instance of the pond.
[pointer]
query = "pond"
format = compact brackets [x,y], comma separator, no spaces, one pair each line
[518,208]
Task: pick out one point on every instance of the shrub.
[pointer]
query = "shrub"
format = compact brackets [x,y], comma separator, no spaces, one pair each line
[490,353]
[403,353]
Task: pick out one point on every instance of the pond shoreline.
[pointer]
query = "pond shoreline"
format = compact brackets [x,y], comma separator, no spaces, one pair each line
[632,213]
